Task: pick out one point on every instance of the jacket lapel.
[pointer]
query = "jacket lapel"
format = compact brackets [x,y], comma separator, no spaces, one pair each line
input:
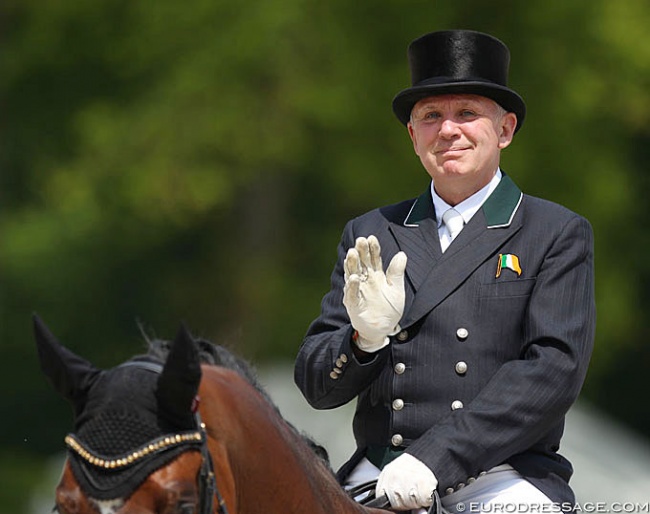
[418,238]
[435,275]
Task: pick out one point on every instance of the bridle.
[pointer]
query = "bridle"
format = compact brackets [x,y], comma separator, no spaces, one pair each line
[208,490]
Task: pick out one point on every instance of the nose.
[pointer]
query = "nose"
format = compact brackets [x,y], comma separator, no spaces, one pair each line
[448,128]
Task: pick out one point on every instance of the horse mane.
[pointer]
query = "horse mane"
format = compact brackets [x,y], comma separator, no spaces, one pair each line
[218,355]
[209,353]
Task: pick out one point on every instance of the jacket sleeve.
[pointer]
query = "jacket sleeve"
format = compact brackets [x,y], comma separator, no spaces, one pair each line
[527,397]
[326,370]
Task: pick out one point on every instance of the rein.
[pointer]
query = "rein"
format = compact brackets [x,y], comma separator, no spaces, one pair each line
[381,502]
[208,490]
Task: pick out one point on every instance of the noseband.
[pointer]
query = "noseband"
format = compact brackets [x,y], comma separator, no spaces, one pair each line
[208,490]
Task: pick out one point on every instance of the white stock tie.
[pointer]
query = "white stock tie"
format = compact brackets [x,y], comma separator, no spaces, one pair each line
[454,223]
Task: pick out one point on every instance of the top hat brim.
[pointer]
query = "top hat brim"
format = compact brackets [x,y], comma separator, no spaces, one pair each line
[405,100]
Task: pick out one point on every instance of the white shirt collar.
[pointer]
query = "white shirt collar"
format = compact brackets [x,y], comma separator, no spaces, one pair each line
[468,207]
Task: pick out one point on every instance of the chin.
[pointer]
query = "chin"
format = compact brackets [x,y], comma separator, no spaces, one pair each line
[452,169]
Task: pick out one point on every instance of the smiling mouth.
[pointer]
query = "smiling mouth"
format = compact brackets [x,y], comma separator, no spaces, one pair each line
[443,151]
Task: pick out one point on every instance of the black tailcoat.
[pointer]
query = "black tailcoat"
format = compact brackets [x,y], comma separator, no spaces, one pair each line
[486,366]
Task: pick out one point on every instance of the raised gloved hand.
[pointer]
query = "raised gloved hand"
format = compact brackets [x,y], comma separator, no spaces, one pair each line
[407,482]
[374,300]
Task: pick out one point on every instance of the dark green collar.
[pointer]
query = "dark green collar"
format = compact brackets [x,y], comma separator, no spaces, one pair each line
[498,209]
[502,204]
[421,209]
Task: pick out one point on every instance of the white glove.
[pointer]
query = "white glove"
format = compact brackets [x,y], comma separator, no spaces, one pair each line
[374,300]
[407,482]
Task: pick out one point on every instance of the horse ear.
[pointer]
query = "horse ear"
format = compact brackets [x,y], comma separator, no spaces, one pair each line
[179,381]
[68,373]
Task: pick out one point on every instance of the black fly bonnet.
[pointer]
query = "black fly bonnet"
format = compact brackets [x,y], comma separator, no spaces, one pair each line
[130,420]
[120,437]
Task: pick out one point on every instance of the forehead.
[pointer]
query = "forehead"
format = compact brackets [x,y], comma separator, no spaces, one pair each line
[454,101]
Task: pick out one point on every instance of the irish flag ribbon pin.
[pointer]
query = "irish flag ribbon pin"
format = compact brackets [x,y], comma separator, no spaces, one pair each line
[510,261]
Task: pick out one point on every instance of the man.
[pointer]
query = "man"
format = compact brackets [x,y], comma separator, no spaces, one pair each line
[466,352]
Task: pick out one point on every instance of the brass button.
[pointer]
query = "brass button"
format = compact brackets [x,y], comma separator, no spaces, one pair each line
[456,404]
[403,335]
[449,490]
[344,358]
[334,375]
[461,367]
[400,368]
[338,371]
[398,404]
[339,363]
[397,440]
[462,333]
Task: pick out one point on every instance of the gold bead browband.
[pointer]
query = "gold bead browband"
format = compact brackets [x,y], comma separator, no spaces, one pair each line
[162,443]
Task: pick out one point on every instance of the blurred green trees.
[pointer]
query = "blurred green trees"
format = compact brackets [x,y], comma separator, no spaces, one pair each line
[196,161]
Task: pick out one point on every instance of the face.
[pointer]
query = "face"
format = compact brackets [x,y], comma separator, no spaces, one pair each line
[458,139]
[170,490]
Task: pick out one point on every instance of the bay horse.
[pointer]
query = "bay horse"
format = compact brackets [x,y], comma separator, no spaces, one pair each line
[181,430]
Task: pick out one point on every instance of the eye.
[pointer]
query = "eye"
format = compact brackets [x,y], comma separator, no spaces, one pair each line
[430,116]
[467,113]
[425,114]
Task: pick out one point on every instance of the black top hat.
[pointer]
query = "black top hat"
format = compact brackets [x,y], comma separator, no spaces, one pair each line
[458,61]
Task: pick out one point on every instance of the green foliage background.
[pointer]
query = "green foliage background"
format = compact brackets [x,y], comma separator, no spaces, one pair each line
[195,161]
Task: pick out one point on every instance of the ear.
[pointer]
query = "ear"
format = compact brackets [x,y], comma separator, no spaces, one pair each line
[413,136]
[507,128]
[68,373]
[179,381]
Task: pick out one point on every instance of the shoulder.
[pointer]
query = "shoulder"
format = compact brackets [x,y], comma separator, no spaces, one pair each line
[543,208]
[552,218]
[379,222]
[389,214]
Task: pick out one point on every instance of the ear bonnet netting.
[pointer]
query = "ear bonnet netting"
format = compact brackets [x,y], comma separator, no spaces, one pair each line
[121,417]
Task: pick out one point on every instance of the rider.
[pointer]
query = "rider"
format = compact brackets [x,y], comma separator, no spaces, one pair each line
[467,350]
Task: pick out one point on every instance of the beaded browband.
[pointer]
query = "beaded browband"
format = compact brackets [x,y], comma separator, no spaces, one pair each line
[156,445]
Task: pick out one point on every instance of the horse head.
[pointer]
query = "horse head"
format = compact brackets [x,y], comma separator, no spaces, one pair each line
[137,445]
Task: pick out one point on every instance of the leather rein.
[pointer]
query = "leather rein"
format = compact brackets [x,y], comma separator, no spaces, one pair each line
[381,502]
[208,490]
